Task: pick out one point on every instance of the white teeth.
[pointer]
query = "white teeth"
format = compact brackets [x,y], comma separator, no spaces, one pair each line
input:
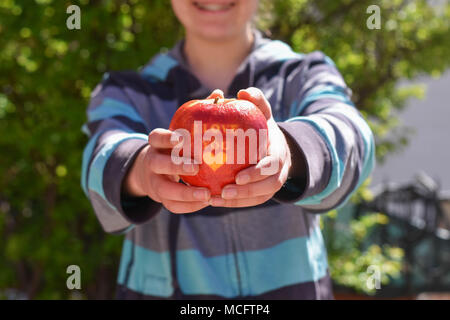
[213,6]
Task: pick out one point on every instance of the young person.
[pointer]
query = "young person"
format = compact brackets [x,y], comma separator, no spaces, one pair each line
[261,237]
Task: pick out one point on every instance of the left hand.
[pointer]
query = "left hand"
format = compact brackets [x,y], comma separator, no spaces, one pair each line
[258,183]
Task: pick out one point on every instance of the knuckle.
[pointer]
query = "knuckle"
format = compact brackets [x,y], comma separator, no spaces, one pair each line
[183,194]
[248,192]
[152,137]
[152,161]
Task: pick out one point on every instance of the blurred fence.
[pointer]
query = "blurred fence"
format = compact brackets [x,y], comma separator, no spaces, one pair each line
[419,223]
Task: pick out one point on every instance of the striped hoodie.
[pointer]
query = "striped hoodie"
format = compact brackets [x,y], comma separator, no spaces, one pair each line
[274,250]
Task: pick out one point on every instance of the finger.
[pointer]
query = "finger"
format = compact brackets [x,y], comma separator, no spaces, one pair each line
[169,190]
[256,96]
[152,185]
[266,167]
[162,164]
[162,139]
[260,188]
[284,173]
[238,203]
[216,94]
[180,207]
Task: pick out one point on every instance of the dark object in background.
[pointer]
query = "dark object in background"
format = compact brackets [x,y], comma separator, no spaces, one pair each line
[419,224]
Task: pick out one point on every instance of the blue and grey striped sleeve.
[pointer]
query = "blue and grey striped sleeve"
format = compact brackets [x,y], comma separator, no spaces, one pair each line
[117,132]
[336,142]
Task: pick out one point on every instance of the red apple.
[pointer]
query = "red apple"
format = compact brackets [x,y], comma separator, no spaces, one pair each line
[205,121]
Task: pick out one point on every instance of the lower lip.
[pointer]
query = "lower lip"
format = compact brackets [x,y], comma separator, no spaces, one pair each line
[215,11]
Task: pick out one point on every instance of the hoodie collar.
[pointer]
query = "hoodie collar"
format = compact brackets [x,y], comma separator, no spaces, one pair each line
[245,72]
[177,51]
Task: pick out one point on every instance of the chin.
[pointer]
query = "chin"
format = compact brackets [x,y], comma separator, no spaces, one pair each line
[216,34]
[215,19]
[220,32]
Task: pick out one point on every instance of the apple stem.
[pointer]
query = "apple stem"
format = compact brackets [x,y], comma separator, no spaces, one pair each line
[216,99]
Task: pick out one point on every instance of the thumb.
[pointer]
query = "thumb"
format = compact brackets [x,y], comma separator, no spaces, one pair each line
[216,94]
[256,96]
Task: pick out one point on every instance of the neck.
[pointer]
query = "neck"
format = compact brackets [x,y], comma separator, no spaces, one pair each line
[215,63]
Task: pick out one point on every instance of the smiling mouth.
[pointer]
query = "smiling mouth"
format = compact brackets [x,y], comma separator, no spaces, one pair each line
[214,7]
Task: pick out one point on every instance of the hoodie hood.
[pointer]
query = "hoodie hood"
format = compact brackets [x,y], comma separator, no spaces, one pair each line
[263,54]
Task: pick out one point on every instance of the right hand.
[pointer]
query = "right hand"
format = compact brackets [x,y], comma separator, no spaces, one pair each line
[153,174]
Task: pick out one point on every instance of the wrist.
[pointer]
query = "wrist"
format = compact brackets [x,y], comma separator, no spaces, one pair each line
[297,169]
[132,185]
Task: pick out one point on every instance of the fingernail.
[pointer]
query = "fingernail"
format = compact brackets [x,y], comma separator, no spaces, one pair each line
[243,179]
[201,194]
[217,202]
[229,193]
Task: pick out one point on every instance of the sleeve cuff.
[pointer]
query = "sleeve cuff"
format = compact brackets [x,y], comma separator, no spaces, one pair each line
[317,162]
[134,210]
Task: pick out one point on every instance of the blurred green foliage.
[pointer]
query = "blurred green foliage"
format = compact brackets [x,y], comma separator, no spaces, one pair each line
[351,249]
[47,73]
